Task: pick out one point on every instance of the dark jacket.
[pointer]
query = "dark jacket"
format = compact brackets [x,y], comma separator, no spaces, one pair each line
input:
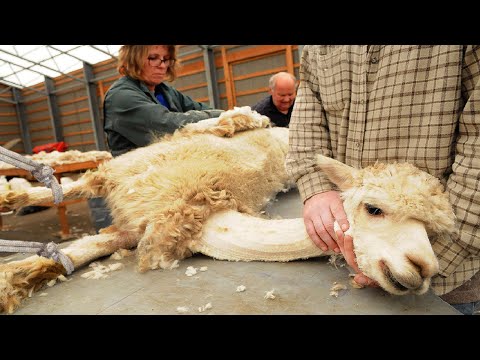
[267,108]
[132,113]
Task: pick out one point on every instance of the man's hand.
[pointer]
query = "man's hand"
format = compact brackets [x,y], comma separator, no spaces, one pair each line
[345,242]
[319,214]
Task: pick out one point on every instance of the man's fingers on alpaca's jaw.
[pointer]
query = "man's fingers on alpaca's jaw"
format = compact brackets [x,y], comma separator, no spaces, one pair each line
[328,224]
[327,239]
[319,243]
[344,224]
[340,218]
[321,236]
[331,238]
[314,236]
[361,279]
[324,228]
[348,254]
[340,240]
[332,244]
[350,261]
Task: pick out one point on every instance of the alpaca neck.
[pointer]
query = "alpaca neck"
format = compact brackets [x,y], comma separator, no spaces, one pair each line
[230,235]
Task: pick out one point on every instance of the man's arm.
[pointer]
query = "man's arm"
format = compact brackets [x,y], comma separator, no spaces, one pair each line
[464,183]
[308,134]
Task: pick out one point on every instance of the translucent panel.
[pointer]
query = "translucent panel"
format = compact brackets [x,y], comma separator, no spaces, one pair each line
[63,63]
[48,60]
[89,54]
[22,50]
[8,69]
[64,47]
[25,77]
[40,54]
[45,71]
[14,59]
[111,49]
[9,48]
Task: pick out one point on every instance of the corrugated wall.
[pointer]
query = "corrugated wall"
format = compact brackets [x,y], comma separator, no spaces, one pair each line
[38,118]
[9,125]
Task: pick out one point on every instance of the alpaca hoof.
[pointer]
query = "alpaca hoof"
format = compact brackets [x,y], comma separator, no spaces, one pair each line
[19,279]
[10,295]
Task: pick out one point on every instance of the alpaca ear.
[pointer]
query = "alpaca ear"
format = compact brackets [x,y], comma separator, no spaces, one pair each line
[340,174]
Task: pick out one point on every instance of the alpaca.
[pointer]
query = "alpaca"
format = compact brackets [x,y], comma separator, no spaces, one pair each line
[191,192]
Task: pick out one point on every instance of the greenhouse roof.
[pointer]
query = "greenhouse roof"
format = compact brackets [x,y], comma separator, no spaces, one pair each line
[26,65]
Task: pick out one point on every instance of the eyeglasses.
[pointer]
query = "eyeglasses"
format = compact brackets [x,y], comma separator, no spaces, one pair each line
[156,61]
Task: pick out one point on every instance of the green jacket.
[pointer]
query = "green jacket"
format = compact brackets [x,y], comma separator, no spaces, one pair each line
[132,113]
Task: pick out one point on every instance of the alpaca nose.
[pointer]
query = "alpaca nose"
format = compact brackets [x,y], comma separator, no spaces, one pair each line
[426,266]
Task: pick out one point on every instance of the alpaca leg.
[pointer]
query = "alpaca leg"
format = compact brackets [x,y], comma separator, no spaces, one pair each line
[20,278]
[40,195]
[91,184]
[89,248]
[227,124]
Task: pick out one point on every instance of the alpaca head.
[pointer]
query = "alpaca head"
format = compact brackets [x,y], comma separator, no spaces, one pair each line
[393,209]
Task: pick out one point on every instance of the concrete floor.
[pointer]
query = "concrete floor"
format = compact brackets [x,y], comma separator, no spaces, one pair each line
[299,287]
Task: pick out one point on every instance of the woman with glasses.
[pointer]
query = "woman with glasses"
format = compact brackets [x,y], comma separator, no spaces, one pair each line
[140,104]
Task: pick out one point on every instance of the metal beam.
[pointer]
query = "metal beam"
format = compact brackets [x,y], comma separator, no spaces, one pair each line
[9,88]
[94,107]
[8,100]
[53,109]
[5,90]
[211,74]
[22,119]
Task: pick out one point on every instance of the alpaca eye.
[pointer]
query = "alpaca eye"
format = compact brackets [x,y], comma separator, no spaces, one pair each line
[372,210]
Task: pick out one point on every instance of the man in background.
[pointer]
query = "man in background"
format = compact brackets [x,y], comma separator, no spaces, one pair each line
[279,104]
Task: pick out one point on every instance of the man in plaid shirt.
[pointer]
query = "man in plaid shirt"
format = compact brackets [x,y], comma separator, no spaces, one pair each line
[420,104]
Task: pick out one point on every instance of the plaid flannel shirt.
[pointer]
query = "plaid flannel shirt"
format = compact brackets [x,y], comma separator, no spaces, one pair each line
[360,104]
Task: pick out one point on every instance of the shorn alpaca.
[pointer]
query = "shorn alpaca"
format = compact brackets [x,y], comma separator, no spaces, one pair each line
[201,190]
